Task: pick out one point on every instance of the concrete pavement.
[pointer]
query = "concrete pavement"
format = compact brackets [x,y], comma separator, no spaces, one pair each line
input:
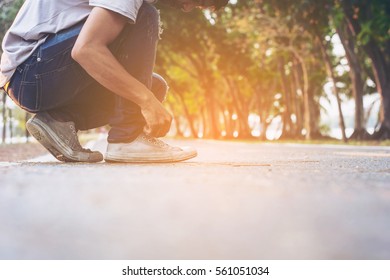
[234,201]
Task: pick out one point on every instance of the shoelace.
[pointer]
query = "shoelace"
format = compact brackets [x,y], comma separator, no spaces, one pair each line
[77,145]
[155,141]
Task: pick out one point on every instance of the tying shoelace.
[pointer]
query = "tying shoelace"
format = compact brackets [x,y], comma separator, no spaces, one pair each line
[154,141]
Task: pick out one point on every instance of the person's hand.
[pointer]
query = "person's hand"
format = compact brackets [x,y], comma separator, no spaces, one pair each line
[92,52]
[158,120]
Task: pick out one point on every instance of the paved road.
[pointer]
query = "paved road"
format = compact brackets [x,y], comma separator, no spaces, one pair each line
[234,201]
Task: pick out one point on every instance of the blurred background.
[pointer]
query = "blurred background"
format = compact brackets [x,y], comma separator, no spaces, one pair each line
[266,70]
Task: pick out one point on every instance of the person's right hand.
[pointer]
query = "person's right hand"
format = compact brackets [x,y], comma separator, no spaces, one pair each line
[92,52]
[158,119]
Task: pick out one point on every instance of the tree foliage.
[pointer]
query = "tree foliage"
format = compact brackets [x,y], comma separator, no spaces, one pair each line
[240,71]
[271,59]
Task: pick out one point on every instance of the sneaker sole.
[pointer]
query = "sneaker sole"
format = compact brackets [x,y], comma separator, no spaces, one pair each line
[142,159]
[47,138]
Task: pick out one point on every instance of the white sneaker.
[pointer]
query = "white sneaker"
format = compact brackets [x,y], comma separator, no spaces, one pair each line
[147,149]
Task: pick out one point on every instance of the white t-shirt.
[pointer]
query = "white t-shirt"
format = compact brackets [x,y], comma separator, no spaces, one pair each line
[37,19]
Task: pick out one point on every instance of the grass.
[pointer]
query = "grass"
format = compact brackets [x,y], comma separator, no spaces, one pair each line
[87,137]
[335,142]
[312,142]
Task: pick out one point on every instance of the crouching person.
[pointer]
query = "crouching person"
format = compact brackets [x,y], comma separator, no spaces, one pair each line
[79,64]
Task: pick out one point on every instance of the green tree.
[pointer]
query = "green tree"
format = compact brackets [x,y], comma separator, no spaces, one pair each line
[369,22]
[8,10]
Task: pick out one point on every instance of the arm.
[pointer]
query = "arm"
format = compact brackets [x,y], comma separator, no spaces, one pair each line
[92,53]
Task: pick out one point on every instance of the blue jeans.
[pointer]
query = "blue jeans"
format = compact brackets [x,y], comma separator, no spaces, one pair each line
[50,80]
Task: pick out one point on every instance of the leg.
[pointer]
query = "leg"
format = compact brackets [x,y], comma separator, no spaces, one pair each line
[48,79]
[136,52]
[68,93]
[51,81]
[95,106]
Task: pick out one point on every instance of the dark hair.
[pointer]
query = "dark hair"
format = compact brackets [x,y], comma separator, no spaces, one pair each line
[216,3]
[220,3]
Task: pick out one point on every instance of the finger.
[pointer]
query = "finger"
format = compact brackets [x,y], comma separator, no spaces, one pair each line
[147,130]
[154,131]
[160,133]
[164,130]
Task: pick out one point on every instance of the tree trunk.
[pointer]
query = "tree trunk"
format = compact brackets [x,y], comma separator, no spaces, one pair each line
[241,109]
[211,109]
[306,96]
[4,118]
[297,99]
[188,117]
[286,116]
[10,123]
[315,113]
[380,62]
[382,80]
[203,122]
[206,82]
[355,74]
[331,75]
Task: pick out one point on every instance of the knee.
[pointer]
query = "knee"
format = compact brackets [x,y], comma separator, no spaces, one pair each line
[159,87]
[148,13]
[151,12]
